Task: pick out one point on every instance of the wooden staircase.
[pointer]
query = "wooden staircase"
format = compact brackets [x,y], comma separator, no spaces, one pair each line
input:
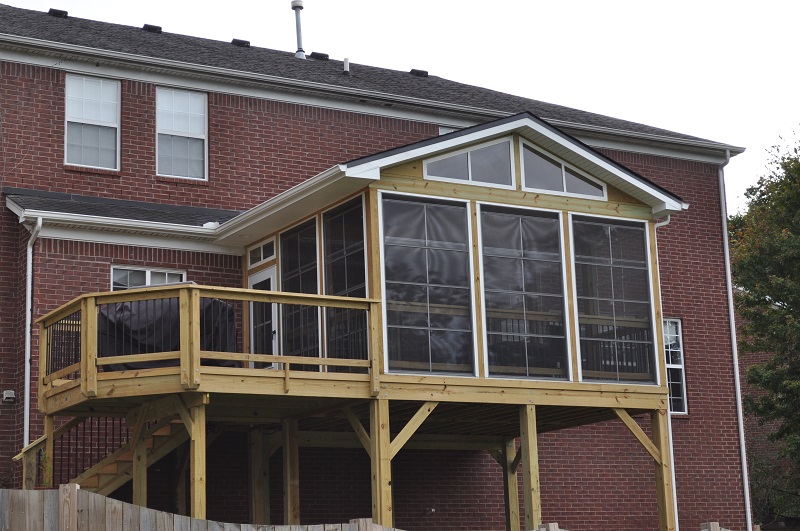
[112,472]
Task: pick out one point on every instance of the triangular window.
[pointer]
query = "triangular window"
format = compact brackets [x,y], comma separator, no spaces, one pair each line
[488,164]
[542,172]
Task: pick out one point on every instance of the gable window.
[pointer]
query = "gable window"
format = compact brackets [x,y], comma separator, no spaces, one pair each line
[676,378]
[92,122]
[428,286]
[486,164]
[543,172]
[613,300]
[123,278]
[524,293]
[299,275]
[181,126]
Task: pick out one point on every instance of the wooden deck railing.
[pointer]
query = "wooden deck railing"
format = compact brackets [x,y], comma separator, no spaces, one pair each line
[188,326]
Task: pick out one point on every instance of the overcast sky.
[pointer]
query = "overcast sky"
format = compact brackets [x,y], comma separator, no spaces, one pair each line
[722,70]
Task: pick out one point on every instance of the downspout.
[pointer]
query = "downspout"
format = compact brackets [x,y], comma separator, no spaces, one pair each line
[663,223]
[26,438]
[732,317]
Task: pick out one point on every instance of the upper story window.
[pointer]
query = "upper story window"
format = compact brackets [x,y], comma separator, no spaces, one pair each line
[545,173]
[123,278]
[676,378]
[488,164]
[92,122]
[612,284]
[181,125]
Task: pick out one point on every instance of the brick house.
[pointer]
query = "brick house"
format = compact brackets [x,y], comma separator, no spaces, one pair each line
[325,294]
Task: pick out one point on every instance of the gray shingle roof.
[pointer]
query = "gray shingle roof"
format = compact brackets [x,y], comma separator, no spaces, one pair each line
[194,50]
[115,208]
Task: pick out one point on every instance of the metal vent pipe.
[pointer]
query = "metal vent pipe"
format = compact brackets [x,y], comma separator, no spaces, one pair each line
[297,6]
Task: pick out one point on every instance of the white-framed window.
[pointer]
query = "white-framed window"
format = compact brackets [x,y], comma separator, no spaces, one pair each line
[125,277]
[261,253]
[676,376]
[92,122]
[545,173]
[181,124]
[488,164]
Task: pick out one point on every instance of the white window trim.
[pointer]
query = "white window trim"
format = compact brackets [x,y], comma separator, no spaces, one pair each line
[681,366]
[656,341]
[473,309]
[449,154]
[251,265]
[567,315]
[564,165]
[116,125]
[148,272]
[203,137]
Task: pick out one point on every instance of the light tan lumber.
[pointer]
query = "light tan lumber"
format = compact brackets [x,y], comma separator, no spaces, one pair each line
[509,464]
[49,451]
[183,412]
[68,504]
[667,518]
[139,461]
[44,386]
[358,428]
[61,373]
[137,358]
[375,348]
[259,479]
[656,290]
[276,358]
[569,293]
[381,466]
[411,427]
[89,346]
[291,473]
[639,433]
[372,246]
[197,457]
[530,466]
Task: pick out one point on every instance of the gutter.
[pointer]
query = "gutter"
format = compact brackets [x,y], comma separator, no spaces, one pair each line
[26,430]
[735,346]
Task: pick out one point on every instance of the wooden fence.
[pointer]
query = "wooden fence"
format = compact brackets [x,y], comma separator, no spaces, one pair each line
[72,509]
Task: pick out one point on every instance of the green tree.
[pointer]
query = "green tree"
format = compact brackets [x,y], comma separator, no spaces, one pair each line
[765,258]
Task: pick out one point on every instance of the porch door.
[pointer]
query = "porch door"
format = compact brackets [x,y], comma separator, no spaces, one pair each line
[263,316]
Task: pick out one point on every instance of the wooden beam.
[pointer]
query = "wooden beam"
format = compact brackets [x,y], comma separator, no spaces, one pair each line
[183,412]
[510,484]
[664,494]
[139,458]
[291,473]
[358,428]
[381,464]
[49,457]
[530,464]
[411,427]
[639,433]
[89,346]
[197,456]
[259,479]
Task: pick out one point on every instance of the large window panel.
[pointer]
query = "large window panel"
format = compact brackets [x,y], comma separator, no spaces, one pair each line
[299,275]
[613,299]
[92,122]
[181,125]
[541,172]
[428,287]
[523,293]
[486,164]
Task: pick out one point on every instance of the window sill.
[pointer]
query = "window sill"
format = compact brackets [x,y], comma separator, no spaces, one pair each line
[93,171]
[181,180]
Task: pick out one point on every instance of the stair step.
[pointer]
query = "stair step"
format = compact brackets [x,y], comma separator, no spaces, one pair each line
[110,468]
[164,430]
[91,482]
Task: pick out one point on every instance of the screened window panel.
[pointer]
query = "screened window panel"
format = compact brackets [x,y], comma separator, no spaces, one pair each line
[300,330]
[541,172]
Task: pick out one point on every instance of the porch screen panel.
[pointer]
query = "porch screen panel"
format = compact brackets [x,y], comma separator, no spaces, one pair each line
[613,291]
[428,286]
[346,330]
[299,275]
[524,294]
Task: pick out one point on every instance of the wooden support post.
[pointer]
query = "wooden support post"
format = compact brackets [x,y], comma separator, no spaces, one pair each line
[530,463]
[259,479]
[291,473]
[666,501]
[44,339]
[89,346]
[190,336]
[510,484]
[380,451]
[197,456]
[139,458]
[375,347]
[49,445]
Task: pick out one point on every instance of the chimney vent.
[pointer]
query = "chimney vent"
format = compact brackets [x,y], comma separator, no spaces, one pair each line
[320,56]
[419,73]
[241,42]
[297,6]
[151,28]
[58,13]
[346,66]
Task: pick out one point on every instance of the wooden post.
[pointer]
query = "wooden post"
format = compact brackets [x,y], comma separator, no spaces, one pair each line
[139,459]
[197,457]
[259,479]
[44,339]
[666,502]
[375,347]
[291,473]
[511,485]
[380,451]
[89,346]
[530,460]
[49,445]
[190,336]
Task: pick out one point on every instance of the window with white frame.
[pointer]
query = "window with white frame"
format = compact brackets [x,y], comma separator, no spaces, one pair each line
[92,122]
[261,253]
[676,377]
[488,164]
[181,125]
[543,172]
[123,278]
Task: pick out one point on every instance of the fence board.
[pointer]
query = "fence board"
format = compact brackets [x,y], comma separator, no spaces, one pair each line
[214,526]
[34,510]
[16,509]
[4,495]
[50,510]
[181,523]
[113,514]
